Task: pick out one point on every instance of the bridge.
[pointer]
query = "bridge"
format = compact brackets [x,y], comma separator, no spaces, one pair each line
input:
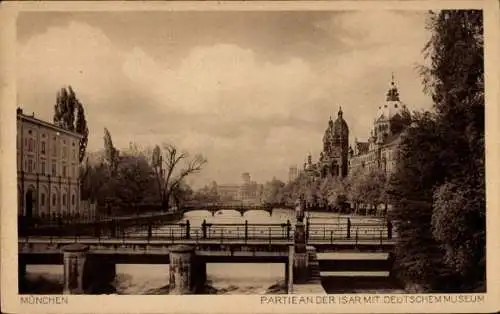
[241,208]
[184,244]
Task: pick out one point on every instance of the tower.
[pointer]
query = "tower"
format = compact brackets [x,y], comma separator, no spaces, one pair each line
[391,116]
[341,141]
[335,147]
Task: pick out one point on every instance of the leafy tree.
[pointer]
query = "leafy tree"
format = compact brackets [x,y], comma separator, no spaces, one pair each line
[273,192]
[166,163]
[438,188]
[64,116]
[456,82]
[134,179]
[111,153]
[81,128]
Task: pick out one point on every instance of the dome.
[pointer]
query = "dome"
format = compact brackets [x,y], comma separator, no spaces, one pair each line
[390,109]
[340,127]
[392,105]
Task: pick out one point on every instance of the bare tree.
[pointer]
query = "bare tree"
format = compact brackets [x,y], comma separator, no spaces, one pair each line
[170,167]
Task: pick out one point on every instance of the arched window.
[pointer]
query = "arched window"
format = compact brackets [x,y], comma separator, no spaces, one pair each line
[54,200]
[64,200]
[42,199]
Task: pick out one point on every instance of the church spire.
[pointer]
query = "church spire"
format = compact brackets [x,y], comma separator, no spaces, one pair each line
[392,93]
[340,112]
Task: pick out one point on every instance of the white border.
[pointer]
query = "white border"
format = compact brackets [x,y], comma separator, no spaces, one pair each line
[241,304]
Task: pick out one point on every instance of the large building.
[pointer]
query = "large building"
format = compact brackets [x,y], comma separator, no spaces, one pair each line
[333,160]
[381,149]
[247,192]
[47,168]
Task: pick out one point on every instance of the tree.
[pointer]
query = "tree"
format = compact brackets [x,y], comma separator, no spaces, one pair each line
[81,128]
[111,153]
[273,192]
[64,116]
[166,163]
[134,179]
[455,80]
[438,190]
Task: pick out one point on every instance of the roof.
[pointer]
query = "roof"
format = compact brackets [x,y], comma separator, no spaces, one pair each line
[46,124]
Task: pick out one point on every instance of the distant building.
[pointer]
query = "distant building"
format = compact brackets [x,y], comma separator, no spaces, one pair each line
[293,173]
[47,168]
[248,191]
[381,149]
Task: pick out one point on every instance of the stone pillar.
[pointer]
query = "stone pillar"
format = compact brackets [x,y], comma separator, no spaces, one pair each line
[74,262]
[300,272]
[182,265]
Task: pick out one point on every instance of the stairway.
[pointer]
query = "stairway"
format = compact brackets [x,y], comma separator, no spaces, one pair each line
[348,272]
[313,265]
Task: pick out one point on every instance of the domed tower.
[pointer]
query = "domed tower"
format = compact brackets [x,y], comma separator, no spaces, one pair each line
[391,115]
[341,142]
[328,138]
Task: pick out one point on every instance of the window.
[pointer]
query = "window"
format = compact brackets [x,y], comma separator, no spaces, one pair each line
[64,152]
[42,163]
[30,147]
[42,150]
[74,153]
[73,199]
[64,200]
[54,200]
[64,170]
[54,150]
[25,142]
[30,165]
[42,199]
[54,172]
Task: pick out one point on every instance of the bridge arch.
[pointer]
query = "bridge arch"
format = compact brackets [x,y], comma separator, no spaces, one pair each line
[242,209]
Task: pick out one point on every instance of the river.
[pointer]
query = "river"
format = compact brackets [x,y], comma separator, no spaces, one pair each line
[224,278]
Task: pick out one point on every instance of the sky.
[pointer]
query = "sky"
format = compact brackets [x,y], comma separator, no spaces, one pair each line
[251,91]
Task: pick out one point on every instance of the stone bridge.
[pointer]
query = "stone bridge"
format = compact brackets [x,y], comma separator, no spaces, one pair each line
[241,208]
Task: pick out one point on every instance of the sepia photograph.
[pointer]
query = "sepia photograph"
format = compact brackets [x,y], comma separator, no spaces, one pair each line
[251,152]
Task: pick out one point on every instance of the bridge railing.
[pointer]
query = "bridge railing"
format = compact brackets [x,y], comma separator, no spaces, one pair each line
[343,231]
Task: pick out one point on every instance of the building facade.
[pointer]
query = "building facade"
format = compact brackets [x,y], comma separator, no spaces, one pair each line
[333,160]
[47,168]
[381,149]
[247,192]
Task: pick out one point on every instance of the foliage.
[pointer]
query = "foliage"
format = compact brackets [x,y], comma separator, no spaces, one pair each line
[438,190]
[458,223]
[208,194]
[81,128]
[273,192]
[111,153]
[64,116]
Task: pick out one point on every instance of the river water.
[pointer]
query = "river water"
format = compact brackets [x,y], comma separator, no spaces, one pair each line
[223,278]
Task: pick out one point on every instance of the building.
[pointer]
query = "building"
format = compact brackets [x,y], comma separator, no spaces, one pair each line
[247,192]
[293,173]
[333,160]
[381,149]
[47,168]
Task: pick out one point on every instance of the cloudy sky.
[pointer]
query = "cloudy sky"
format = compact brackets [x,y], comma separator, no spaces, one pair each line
[252,91]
